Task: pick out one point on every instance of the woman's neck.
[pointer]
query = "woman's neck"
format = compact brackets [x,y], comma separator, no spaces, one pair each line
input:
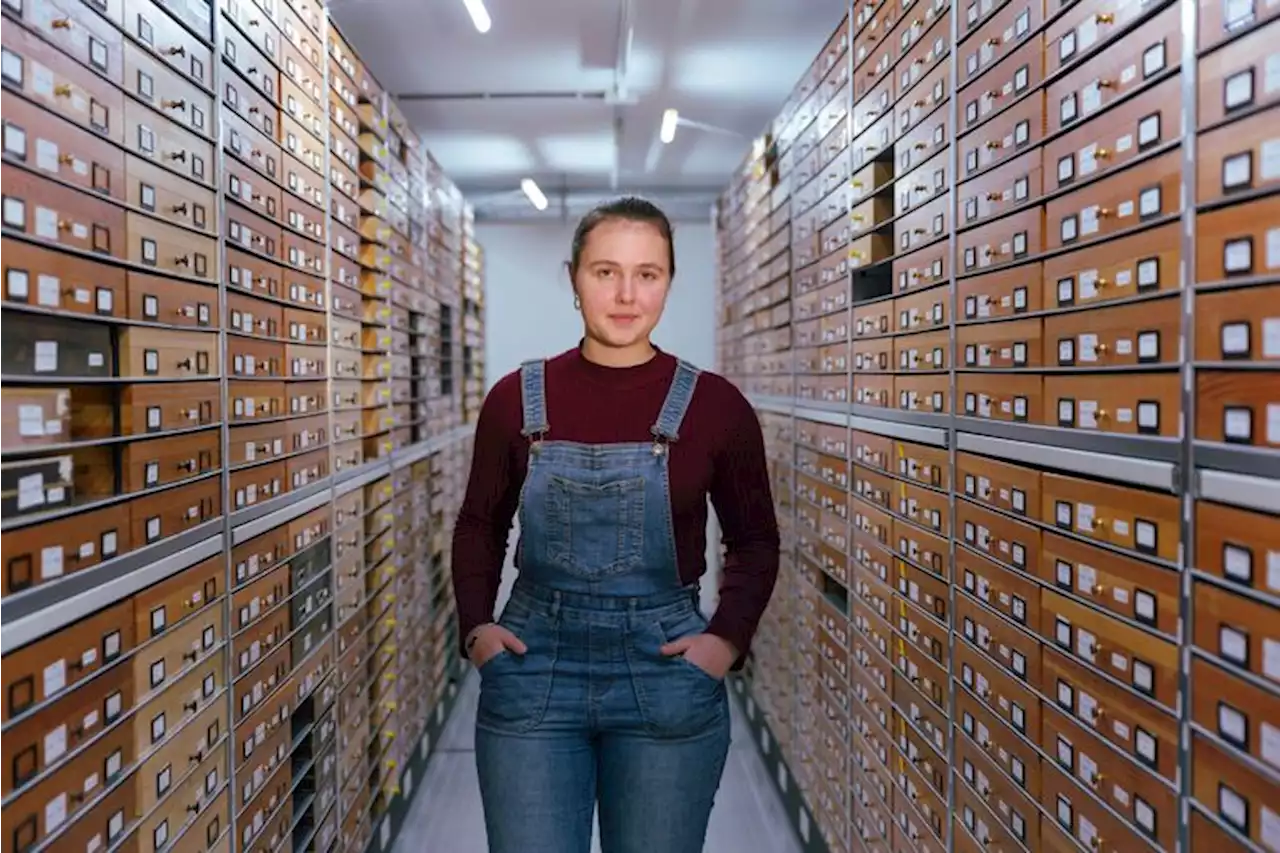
[607,356]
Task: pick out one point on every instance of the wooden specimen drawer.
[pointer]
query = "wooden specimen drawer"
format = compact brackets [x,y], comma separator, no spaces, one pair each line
[1146,262]
[94,43]
[1239,630]
[303,289]
[1133,404]
[252,316]
[1236,80]
[252,274]
[1001,294]
[167,354]
[46,668]
[259,111]
[928,465]
[1234,325]
[1003,539]
[161,461]
[1002,242]
[1136,520]
[159,608]
[1132,724]
[1147,332]
[50,78]
[1239,241]
[1001,589]
[1008,133]
[175,302]
[929,594]
[922,143]
[53,346]
[921,269]
[1002,189]
[308,468]
[168,513]
[921,547]
[1129,655]
[1145,192]
[167,247]
[257,484]
[151,136]
[920,311]
[875,356]
[1219,24]
[306,433]
[250,146]
[305,362]
[254,357]
[146,408]
[245,187]
[1132,129]
[873,488]
[254,232]
[1006,487]
[1014,650]
[925,351]
[303,183]
[298,140]
[925,183]
[1000,345]
[922,506]
[1238,546]
[998,36]
[46,278]
[923,226]
[873,320]
[1000,397]
[306,398]
[59,148]
[304,326]
[1240,712]
[36,417]
[873,451]
[61,216]
[923,393]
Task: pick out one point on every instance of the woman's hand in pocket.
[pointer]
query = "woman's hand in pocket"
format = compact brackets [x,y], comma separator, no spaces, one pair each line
[709,653]
[488,641]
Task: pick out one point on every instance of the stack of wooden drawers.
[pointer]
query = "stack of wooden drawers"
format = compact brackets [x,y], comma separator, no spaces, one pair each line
[472,321]
[1030,595]
[228,471]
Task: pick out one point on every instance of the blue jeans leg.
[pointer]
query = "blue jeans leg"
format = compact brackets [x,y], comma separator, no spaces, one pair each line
[538,791]
[656,793]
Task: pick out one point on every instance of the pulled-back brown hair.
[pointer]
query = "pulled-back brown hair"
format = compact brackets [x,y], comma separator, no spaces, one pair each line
[630,208]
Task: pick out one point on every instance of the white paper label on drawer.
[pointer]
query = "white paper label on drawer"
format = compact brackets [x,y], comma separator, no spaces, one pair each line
[46,223]
[55,677]
[30,491]
[51,562]
[1087,33]
[1272,73]
[1086,644]
[1129,72]
[1085,514]
[47,155]
[55,812]
[1089,220]
[1091,98]
[1124,346]
[1125,208]
[1088,159]
[1088,284]
[1271,658]
[46,356]
[31,421]
[1088,707]
[1233,807]
[1088,414]
[55,744]
[1270,744]
[1273,423]
[1273,249]
[1088,348]
[1237,424]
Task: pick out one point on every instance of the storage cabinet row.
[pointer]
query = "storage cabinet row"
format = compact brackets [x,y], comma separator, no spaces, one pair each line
[969,218]
[230,316]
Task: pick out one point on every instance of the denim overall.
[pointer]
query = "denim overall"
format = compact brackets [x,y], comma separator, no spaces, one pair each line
[594,711]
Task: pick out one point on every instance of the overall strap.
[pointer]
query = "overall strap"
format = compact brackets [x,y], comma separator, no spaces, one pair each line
[677,403]
[533,396]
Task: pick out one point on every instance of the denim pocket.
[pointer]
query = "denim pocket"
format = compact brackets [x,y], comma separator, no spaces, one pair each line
[677,698]
[595,530]
[515,689]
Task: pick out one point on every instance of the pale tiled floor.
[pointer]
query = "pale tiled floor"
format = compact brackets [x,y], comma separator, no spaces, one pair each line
[446,816]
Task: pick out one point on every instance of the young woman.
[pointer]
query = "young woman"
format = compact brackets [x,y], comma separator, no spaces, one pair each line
[602,682]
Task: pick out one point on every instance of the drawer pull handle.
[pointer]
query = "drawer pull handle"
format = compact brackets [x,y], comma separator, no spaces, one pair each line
[1105,18]
[176,50]
[180,156]
[187,465]
[189,656]
[175,104]
[185,364]
[1106,84]
[993,42]
[179,209]
[61,24]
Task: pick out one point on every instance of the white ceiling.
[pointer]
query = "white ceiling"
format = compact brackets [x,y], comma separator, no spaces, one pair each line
[729,64]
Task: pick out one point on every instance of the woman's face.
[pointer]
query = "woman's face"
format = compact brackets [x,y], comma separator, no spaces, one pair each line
[624,273]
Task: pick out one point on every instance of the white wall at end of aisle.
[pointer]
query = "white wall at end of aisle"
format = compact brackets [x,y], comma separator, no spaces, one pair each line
[529,313]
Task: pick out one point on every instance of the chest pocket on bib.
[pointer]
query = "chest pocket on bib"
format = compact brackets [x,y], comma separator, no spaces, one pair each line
[595,529]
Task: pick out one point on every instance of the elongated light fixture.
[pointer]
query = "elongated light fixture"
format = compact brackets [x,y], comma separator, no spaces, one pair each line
[479,14]
[670,119]
[536,198]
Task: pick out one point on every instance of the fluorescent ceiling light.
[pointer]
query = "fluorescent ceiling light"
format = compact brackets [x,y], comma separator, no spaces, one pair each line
[669,120]
[479,14]
[536,198]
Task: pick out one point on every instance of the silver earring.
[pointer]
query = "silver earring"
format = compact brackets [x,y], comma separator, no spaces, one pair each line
[577,303]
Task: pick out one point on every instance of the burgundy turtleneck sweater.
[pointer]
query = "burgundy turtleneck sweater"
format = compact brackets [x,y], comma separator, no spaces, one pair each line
[720,453]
